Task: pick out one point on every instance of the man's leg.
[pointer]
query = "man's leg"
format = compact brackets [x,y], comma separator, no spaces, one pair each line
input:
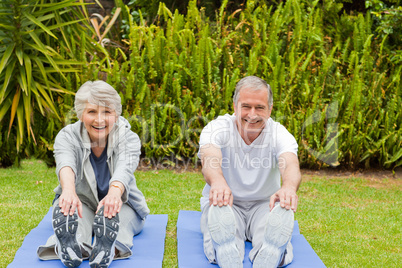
[224,235]
[276,226]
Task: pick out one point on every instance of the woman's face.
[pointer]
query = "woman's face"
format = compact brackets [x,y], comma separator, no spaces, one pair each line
[98,121]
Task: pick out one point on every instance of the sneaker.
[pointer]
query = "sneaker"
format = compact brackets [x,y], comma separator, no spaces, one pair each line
[65,229]
[222,227]
[287,256]
[278,233]
[106,231]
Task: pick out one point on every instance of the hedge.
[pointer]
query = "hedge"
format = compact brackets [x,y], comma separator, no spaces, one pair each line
[335,87]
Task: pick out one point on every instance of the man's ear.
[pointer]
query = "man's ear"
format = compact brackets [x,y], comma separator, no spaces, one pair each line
[270,111]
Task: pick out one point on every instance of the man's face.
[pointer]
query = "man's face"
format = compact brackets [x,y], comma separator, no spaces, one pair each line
[98,121]
[252,110]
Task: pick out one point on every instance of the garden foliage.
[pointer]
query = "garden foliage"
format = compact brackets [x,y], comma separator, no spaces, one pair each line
[336,86]
[38,42]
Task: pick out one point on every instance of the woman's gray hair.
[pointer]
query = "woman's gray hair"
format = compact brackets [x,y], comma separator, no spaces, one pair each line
[97,93]
[253,83]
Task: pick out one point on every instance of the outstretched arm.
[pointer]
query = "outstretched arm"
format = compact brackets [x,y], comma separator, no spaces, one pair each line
[211,159]
[68,200]
[291,179]
[112,201]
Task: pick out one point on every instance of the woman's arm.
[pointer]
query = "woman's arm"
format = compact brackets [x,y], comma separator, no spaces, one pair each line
[112,202]
[126,160]
[68,200]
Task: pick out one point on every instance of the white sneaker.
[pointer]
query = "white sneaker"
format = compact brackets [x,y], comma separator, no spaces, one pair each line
[65,229]
[278,233]
[222,227]
[287,255]
[105,231]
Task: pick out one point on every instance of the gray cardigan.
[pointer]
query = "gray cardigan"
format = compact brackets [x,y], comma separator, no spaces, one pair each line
[72,148]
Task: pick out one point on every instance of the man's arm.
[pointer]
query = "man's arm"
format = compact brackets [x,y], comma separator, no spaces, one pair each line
[291,179]
[211,159]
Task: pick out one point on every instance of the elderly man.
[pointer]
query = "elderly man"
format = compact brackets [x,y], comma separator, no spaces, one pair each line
[244,156]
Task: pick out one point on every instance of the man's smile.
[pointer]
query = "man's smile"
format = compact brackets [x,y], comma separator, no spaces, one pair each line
[252,121]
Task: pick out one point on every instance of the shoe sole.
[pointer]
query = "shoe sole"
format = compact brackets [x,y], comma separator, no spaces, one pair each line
[222,227]
[106,231]
[65,229]
[278,233]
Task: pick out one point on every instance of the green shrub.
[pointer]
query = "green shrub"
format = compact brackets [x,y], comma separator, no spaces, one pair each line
[335,86]
[43,48]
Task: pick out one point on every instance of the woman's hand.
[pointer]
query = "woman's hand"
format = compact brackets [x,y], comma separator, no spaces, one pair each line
[112,201]
[69,201]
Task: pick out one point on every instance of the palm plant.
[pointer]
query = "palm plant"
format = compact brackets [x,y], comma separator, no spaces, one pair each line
[38,48]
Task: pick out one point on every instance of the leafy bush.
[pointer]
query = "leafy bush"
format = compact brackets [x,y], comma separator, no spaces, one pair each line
[388,22]
[38,41]
[335,86]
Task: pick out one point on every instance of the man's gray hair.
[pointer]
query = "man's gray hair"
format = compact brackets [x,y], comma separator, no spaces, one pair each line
[97,93]
[253,83]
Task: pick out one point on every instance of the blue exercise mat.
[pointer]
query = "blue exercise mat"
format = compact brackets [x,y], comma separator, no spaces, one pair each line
[191,252]
[148,246]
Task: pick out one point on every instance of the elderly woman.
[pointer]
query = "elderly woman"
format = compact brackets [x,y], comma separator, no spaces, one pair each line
[95,161]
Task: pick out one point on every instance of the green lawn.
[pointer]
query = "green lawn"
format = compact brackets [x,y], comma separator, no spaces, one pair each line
[349,221]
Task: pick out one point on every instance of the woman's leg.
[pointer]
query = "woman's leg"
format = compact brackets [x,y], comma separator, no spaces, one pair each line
[83,236]
[131,224]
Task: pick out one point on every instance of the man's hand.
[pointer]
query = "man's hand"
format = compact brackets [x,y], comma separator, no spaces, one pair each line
[287,198]
[69,201]
[220,194]
[291,179]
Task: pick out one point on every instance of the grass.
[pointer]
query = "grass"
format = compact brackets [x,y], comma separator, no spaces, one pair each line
[350,221]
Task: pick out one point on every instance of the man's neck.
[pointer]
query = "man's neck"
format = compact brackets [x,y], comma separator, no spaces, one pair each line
[249,136]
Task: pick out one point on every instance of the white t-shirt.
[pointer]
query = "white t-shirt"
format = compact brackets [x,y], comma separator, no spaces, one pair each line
[251,171]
